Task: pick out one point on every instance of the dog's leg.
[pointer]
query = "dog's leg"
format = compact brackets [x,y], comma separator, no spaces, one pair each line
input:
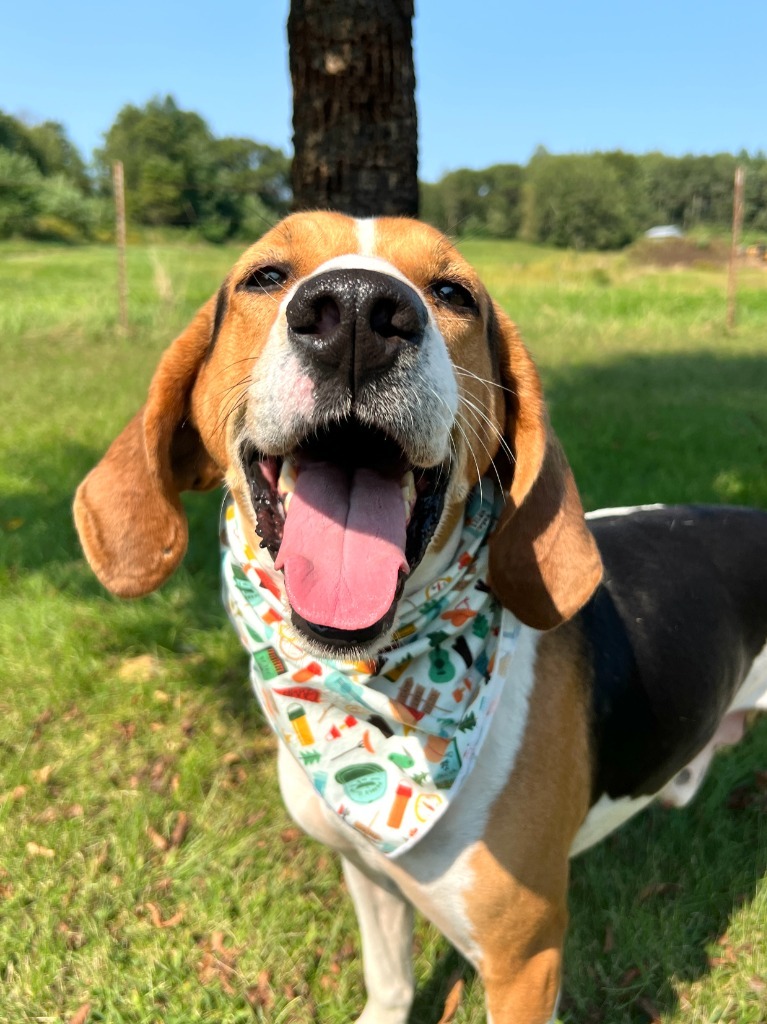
[385,916]
[522,977]
[386,925]
[516,896]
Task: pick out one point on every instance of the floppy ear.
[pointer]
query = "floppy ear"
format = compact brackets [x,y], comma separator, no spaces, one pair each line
[543,562]
[128,512]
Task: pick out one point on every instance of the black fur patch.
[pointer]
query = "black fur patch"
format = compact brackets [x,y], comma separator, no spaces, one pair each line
[493,337]
[672,630]
[222,304]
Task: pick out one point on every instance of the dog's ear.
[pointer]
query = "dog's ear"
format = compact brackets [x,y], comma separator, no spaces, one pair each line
[128,512]
[544,564]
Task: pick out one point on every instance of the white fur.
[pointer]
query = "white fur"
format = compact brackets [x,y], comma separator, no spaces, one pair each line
[605,817]
[364,261]
[366,234]
[621,510]
[386,925]
[752,696]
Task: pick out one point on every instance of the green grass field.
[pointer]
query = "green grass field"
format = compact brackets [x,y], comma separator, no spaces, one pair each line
[148,872]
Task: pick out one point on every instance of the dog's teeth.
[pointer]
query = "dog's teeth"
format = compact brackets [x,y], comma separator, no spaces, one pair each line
[286,500]
[407,486]
[287,481]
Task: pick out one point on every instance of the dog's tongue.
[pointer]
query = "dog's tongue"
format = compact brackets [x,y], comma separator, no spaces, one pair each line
[343,545]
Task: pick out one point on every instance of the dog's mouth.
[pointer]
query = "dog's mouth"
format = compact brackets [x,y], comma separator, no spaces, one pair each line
[346,517]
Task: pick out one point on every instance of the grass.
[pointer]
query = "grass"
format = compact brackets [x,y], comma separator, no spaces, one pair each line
[147,867]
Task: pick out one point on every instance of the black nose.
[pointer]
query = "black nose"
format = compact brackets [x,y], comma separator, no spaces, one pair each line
[354,324]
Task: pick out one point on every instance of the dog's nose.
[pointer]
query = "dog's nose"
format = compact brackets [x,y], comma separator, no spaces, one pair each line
[354,324]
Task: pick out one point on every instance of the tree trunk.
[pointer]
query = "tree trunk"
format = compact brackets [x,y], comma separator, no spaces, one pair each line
[354,118]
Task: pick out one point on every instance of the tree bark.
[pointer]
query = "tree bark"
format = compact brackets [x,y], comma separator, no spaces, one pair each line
[354,118]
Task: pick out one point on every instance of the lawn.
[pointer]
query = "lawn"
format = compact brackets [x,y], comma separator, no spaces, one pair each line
[148,872]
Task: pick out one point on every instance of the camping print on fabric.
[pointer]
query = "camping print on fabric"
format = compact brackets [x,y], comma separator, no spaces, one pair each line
[387,742]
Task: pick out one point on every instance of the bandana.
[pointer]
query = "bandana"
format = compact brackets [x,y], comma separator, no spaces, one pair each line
[387,742]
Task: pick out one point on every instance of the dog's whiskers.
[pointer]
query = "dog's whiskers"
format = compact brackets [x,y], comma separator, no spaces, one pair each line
[484,446]
[469,448]
[234,405]
[483,380]
[484,416]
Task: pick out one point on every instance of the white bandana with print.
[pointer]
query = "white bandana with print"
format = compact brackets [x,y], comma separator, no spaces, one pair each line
[387,742]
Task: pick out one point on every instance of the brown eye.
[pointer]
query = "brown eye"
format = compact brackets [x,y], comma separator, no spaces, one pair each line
[453,294]
[264,279]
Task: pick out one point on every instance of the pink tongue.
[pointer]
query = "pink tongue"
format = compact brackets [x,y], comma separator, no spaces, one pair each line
[343,545]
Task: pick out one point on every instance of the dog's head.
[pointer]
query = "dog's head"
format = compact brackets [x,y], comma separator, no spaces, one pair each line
[350,382]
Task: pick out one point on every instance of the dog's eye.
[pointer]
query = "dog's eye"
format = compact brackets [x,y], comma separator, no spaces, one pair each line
[453,294]
[264,279]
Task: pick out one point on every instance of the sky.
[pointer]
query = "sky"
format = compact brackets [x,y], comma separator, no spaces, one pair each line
[496,78]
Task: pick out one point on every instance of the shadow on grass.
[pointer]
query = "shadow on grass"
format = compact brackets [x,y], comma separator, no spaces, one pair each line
[649,904]
[39,531]
[671,428]
[429,1003]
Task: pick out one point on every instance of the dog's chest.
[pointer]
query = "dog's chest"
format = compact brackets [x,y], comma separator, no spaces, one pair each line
[436,874]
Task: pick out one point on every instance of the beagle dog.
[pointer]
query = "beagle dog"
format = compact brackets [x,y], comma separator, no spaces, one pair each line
[356,390]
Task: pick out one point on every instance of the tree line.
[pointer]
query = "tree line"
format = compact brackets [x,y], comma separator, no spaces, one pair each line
[596,200]
[178,174]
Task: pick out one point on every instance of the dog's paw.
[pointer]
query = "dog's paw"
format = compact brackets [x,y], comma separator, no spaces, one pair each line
[375,1013]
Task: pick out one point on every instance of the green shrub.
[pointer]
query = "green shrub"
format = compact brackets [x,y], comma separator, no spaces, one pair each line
[63,204]
[38,207]
[576,202]
[20,190]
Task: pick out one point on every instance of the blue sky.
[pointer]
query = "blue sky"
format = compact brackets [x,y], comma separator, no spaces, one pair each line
[495,79]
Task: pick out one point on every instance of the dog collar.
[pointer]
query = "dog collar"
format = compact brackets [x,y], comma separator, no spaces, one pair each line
[388,742]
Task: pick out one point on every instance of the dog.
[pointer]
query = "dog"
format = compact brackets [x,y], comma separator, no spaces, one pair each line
[470,679]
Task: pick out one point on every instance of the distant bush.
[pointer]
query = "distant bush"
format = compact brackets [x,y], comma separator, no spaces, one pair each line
[63,204]
[475,202]
[576,202]
[40,207]
[20,187]
[44,192]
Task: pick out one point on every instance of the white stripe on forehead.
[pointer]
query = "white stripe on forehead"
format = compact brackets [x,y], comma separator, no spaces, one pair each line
[355,261]
[366,233]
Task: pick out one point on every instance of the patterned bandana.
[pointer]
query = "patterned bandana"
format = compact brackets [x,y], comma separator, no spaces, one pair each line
[386,742]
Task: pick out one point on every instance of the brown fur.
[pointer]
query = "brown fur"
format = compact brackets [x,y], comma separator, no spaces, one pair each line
[544,563]
[127,510]
[518,907]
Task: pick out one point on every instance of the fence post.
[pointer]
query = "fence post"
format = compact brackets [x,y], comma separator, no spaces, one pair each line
[118,178]
[737,224]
